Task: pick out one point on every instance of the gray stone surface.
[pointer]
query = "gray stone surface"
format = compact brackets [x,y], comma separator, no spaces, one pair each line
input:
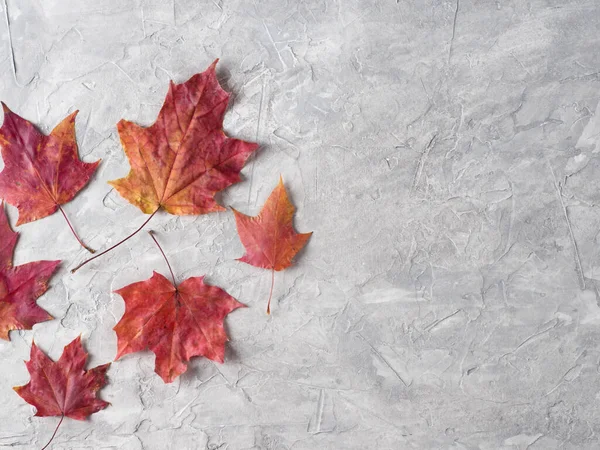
[445,154]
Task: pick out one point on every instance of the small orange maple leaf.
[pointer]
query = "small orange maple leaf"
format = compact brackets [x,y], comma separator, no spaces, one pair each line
[269,238]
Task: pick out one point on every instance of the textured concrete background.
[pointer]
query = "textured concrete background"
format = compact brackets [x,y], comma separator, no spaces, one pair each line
[445,154]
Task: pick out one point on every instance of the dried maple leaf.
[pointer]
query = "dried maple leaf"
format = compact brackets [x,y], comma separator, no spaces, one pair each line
[176,322]
[63,388]
[269,238]
[41,173]
[181,161]
[20,286]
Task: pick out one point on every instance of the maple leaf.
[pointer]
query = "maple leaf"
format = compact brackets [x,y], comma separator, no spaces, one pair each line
[20,286]
[269,238]
[41,173]
[63,388]
[181,161]
[176,322]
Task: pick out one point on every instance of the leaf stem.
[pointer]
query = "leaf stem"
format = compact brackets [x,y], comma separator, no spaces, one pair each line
[114,246]
[271,291]
[73,231]
[55,431]
[164,256]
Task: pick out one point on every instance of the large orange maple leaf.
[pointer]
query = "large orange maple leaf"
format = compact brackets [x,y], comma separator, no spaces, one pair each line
[20,286]
[41,173]
[181,161]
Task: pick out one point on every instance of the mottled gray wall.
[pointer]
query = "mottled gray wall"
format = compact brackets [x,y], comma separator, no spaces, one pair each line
[445,154]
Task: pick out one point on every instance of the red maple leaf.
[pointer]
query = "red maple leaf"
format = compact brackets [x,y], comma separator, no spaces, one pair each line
[41,173]
[181,161]
[176,322]
[269,238]
[63,388]
[20,286]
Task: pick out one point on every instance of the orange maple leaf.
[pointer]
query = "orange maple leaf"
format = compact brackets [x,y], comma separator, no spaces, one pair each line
[181,161]
[269,238]
[41,173]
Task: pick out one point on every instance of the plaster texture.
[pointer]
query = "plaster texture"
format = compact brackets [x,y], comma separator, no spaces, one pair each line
[446,156]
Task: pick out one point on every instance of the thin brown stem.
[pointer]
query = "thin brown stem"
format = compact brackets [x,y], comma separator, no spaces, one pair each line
[271,291]
[114,246]
[55,430]
[164,256]
[73,231]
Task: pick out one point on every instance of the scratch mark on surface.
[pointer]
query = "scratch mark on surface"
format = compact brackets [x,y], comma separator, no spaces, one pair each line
[453,31]
[511,219]
[143,18]
[578,267]
[421,164]
[531,338]
[520,63]
[283,64]
[437,322]
[370,412]
[317,162]
[182,410]
[260,110]
[122,71]
[252,80]
[534,441]
[359,18]
[11,48]
[571,374]
[320,408]
[385,361]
